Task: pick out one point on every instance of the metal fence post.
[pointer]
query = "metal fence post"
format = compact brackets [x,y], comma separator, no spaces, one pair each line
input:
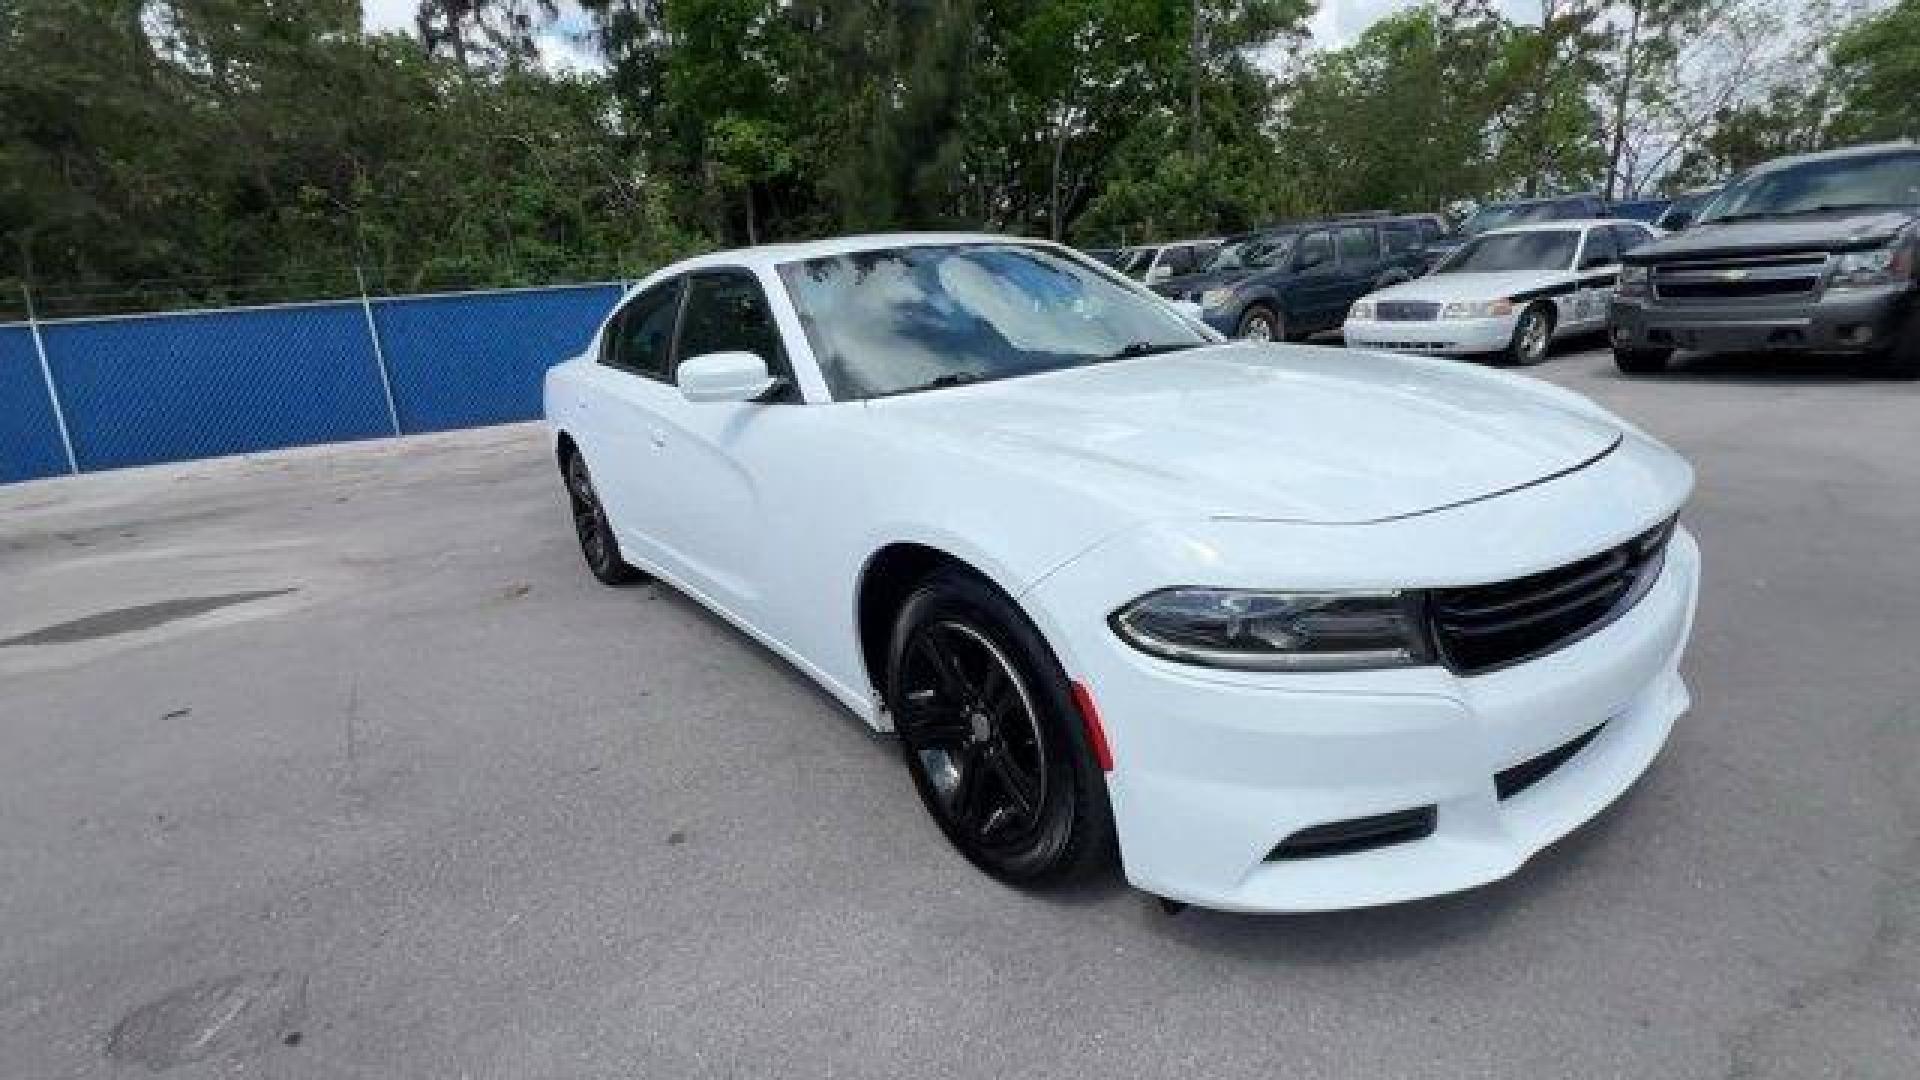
[46,375]
[379,353]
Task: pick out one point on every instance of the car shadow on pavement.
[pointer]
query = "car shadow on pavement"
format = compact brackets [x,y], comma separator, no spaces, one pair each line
[1760,369]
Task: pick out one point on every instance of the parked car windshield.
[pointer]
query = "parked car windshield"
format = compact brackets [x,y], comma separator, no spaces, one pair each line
[1504,253]
[896,320]
[1500,216]
[1837,183]
[1254,252]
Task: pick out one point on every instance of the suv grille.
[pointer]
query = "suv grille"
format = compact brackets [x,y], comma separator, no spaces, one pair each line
[1406,311]
[1484,627]
[1741,279]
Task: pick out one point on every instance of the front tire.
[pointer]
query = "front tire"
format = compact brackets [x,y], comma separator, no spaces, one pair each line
[590,524]
[1532,337]
[1262,323]
[1641,361]
[991,735]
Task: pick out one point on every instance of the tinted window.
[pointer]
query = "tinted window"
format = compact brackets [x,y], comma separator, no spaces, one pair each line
[1506,252]
[1270,249]
[1358,243]
[1430,229]
[1315,248]
[1628,237]
[639,338]
[895,320]
[727,312]
[1178,260]
[1399,238]
[1601,250]
[1846,182]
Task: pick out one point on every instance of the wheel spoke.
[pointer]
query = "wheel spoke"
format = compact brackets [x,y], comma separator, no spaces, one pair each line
[952,683]
[931,724]
[1020,788]
[966,802]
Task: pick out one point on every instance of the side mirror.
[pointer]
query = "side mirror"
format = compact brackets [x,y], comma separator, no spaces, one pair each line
[725,376]
[1676,220]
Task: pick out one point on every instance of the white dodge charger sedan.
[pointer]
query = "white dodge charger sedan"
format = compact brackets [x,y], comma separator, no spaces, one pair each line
[1279,627]
[1508,293]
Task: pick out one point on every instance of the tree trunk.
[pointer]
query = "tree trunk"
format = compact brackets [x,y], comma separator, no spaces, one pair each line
[1055,229]
[1196,56]
[1622,94]
[753,227]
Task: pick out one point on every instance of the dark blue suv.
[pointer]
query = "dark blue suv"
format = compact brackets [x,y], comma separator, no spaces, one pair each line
[1293,280]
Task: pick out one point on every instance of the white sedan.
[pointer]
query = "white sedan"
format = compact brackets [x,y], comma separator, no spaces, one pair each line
[1279,627]
[1508,293]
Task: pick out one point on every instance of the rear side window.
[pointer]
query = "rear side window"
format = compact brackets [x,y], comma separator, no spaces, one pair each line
[1358,243]
[1315,249]
[1399,238]
[727,312]
[1429,229]
[640,338]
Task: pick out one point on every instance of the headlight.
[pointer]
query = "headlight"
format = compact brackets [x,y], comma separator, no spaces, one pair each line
[1477,309]
[1633,281]
[1278,631]
[1214,298]
[1877,266]
[1361,309]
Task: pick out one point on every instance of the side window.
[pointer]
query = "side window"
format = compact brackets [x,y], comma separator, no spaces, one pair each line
[1429,230]
[1630,236]
[1399,238]
[1178,260]
[727,312]
[1601,250]
[1358,243]
[639,338]
[1315,250]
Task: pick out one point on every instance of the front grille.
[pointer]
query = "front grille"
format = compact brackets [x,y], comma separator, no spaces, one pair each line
[1357,834]
[1481,628]
[1768,277]
[1512,781]
[1406,311]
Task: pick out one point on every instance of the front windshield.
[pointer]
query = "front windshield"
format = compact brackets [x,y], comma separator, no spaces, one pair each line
[1254,252]
[1134,262]
[1505,253]
[1499,217]
[912,318]
[1840,183]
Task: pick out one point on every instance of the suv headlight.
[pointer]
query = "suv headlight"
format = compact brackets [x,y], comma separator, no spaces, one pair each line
[1875,266]
[1361,309]
[1633,281]
[1477,309]
[1278,631]
[1214,298]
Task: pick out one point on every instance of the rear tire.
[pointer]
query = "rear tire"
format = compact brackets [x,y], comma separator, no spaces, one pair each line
[597,543]
[991,735]
[1641,361]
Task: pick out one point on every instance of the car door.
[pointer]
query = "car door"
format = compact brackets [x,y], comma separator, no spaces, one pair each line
[1361,267]
[1595,274]
[713,456]
[1312,296]
[620,426]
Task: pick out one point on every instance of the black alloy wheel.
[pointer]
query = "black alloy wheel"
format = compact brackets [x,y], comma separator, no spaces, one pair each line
[991,736]
[590,523]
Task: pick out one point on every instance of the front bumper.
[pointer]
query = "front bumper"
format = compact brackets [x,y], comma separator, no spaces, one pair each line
[1215,769]
[1440,337]
[1834,321]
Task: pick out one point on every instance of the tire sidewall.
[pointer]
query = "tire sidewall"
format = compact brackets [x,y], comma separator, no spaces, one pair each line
[1076,828]
[613,570]
[1276,329]
[1514,354]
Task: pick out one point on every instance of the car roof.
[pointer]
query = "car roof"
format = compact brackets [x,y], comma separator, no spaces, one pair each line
[767,256]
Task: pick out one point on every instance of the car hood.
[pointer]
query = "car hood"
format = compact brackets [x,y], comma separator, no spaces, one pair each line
[1834,231]
[1275,432]
[1447,287]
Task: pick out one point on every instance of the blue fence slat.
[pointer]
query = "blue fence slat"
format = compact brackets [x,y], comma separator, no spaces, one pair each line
[171,387]
[29,433]
[477,358]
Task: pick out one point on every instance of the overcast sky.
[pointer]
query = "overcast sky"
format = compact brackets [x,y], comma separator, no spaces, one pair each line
[1337,22]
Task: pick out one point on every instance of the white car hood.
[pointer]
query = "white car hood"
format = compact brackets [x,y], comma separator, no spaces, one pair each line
[1448,287]
[1279,432]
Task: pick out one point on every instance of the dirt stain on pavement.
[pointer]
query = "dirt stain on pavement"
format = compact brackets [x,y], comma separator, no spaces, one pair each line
[236,1015]
[127,620]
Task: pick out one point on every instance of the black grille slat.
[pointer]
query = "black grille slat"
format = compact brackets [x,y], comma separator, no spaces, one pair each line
[1740,278]
[1510,782]
[1357,834]
[1406,311]
[1486,627]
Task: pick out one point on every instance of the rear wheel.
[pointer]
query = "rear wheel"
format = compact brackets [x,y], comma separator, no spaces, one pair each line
[991,735]
[1262,323]
[597,543]
[1532,336]
[1641,361]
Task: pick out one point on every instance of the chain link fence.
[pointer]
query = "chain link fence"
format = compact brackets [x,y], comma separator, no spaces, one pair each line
[110,391]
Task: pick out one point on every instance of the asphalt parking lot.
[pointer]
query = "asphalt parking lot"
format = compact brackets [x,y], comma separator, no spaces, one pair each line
[336,763]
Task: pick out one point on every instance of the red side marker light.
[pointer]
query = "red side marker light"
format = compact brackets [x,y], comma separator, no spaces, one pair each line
[1096,734]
